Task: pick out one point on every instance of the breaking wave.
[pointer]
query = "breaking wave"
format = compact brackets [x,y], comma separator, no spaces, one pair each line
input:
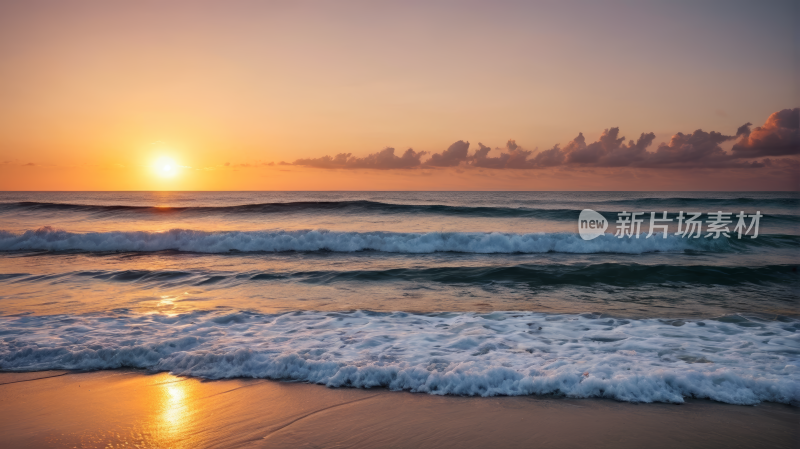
[733,359]
[51,239]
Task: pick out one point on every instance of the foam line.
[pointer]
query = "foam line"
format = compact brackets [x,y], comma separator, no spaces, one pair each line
[51,239]
[733,359]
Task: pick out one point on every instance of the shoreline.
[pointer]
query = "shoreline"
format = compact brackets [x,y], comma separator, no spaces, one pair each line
[119,407]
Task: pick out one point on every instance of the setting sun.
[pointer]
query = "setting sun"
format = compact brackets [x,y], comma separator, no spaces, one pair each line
[166,167]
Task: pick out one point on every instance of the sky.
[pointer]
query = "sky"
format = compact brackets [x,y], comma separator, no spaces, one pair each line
[501,95]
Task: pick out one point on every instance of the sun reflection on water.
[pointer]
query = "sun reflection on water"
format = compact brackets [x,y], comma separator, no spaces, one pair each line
[166,300]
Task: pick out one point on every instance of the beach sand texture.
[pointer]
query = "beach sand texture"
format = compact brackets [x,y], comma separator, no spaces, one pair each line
[127,408]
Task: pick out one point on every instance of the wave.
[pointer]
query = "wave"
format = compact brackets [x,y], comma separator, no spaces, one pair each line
[371,207]
[51,239]
[615,274]
[733,359]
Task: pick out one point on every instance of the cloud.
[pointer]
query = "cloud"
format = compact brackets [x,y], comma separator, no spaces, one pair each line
[549,158]
[609,151]
[382,160]
[514,158]
[780,136]
[450,157]
[480,159]
[699,149]
[744,129]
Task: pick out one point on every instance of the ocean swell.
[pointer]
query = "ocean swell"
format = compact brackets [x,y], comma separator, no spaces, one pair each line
[542,274]
[609,210]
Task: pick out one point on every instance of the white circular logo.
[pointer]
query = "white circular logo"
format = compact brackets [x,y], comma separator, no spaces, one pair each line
[591,224]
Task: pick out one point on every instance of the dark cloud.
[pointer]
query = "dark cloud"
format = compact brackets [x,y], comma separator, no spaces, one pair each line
[695,150]
[744,129]
[480,159]
[549,158]
[698,149]
[382,160]
[450,157]
[514,158]
[780,136]
[339,161]
[610,151]
[580,153]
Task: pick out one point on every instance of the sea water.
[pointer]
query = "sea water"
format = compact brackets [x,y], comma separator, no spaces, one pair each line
[468,293]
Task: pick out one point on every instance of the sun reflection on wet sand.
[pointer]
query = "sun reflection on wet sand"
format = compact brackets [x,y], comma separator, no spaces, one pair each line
[175,418]
[128,408]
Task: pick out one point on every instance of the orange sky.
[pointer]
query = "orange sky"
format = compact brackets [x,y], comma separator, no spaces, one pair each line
[94,94]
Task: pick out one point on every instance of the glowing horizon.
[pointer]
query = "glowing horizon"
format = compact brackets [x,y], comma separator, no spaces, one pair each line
[252,96]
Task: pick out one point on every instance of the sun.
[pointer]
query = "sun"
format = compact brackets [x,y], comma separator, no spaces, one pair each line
[166,167]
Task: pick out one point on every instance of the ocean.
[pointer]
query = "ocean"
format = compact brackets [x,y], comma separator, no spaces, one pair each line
[464,293]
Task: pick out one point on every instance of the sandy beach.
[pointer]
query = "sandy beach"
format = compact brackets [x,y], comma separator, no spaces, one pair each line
[127,408]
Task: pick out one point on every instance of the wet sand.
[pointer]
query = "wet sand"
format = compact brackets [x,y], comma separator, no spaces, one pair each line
[127,408]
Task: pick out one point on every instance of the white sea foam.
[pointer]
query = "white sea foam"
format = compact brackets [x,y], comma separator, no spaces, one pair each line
[48,238]
[733,359]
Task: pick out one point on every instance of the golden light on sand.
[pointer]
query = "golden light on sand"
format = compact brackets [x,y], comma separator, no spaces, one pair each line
[174,413]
